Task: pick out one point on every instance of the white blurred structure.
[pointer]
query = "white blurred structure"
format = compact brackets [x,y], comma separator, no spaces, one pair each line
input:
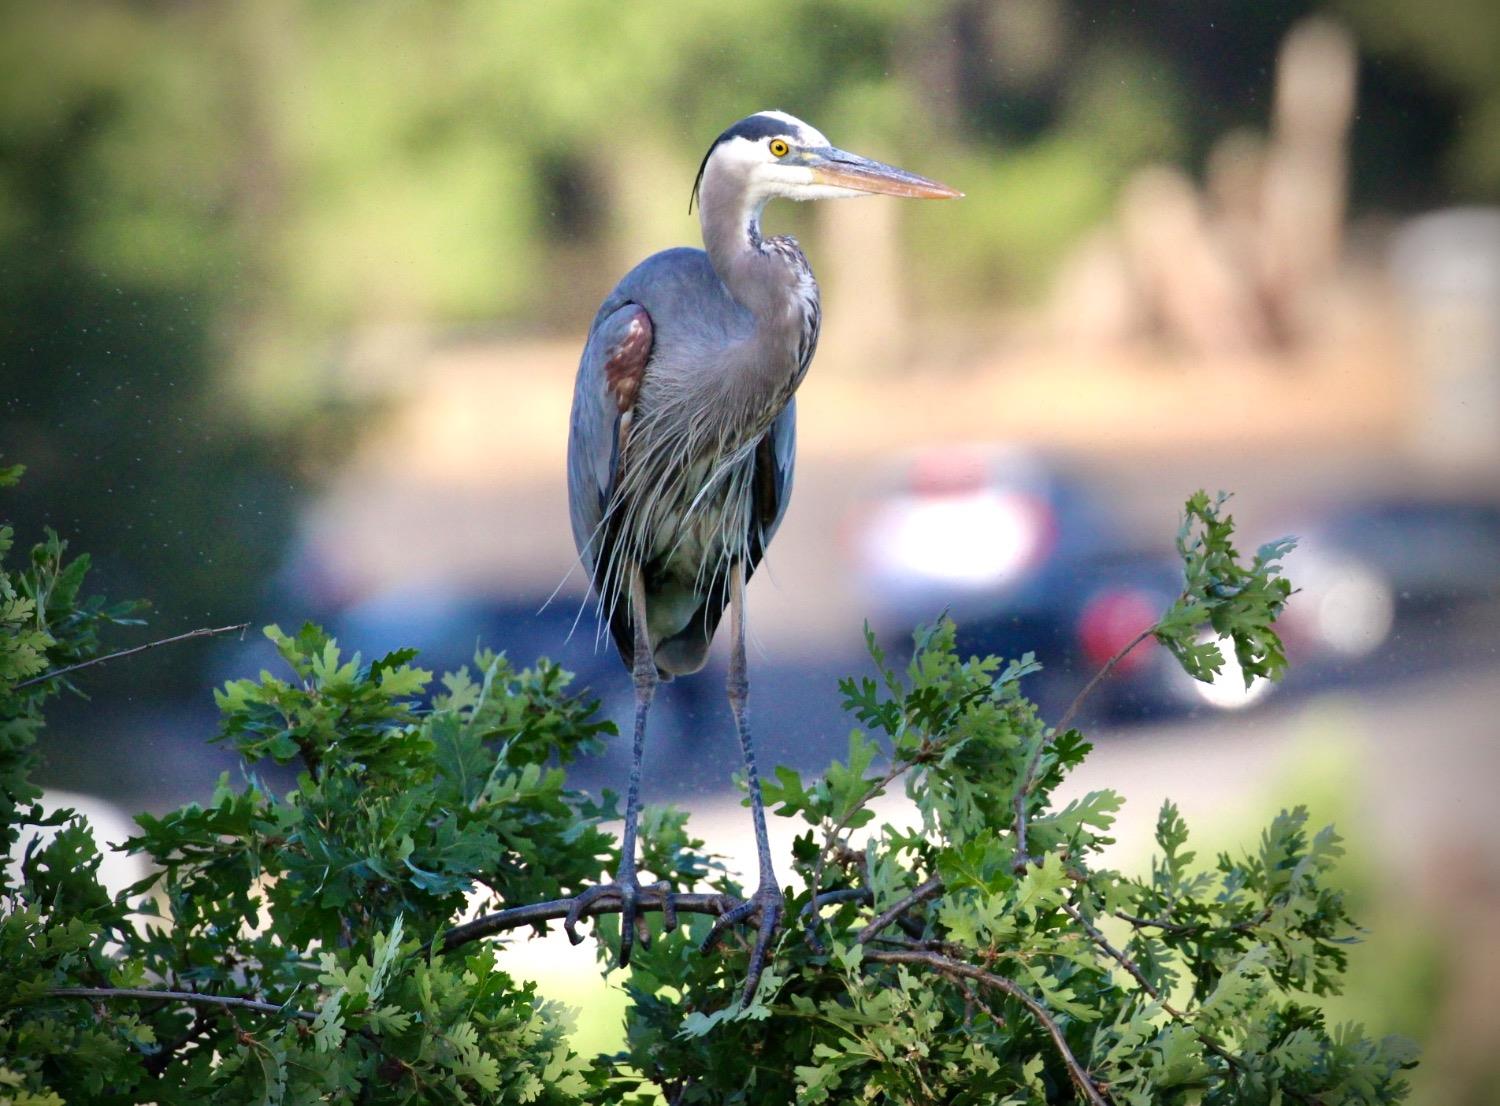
[1446,269]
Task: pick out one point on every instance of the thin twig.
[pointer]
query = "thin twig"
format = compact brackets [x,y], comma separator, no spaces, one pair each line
[202,631]
[555,909]
[947,948]
[812,918]
[841,895]
[923,892]
[1028,780]
[976,1002]
[1109,666]
[1180,929]
[232,1001]
[958,969]
[1122,959]
[537,913]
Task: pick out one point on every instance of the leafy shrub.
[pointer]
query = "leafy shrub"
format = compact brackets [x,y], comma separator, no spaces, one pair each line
[308,947]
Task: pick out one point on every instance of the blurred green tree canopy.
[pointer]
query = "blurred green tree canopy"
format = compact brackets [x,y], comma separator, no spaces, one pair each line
[201,203]
[319,165]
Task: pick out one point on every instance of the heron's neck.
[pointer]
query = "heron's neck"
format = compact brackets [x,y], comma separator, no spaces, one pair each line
[771,280]
[755,277]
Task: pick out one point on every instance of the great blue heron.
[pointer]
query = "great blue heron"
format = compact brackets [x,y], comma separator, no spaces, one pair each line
[682,444]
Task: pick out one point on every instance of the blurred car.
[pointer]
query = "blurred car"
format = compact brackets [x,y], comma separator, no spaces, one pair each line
[1435,552]
[1007,541]
[1393,584]
[1025,556]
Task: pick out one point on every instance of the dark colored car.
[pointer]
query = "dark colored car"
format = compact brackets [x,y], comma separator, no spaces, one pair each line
[1006,541]
[1025,556]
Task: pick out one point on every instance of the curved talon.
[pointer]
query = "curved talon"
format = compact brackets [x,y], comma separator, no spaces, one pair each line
[581,902]
[642,931]
[629,895]
[668,905]
[729,918]
[769,903]
[633,925]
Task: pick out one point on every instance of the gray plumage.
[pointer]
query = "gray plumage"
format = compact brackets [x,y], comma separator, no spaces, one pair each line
[711,440]
[682,444]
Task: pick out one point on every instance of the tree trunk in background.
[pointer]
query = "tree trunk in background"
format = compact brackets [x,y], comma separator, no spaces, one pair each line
[260,44]
[1306,174]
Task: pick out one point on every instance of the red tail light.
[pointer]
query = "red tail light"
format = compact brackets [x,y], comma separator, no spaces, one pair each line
[1111,620]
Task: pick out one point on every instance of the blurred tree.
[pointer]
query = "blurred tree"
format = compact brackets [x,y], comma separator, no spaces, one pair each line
[121,256]
[1437,80]
[200,205]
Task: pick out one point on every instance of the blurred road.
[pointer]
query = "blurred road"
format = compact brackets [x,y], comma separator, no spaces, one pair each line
[471,459]
[806,613]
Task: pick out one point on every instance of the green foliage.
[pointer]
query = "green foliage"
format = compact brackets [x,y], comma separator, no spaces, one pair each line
[1208,998]
[298,947]
[326,901]
[322,903]
[1239,602]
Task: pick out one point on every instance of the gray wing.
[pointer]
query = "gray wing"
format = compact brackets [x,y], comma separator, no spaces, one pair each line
[775,460]
[677,283]
[609,374]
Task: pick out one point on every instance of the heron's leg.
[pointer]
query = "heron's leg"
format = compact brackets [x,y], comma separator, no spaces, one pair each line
[767,902]
[627,885]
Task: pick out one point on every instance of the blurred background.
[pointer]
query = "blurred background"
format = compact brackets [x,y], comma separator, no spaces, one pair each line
[291,296]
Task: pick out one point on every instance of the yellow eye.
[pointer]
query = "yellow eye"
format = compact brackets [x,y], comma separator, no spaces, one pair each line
[779,148]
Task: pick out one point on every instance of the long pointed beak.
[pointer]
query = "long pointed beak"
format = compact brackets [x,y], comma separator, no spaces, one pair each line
[845,170]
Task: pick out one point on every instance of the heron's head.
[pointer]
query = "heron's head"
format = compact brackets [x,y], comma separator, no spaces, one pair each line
[771,154]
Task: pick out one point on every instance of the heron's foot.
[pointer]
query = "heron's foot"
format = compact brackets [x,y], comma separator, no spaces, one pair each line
[625,889]
[766,906]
